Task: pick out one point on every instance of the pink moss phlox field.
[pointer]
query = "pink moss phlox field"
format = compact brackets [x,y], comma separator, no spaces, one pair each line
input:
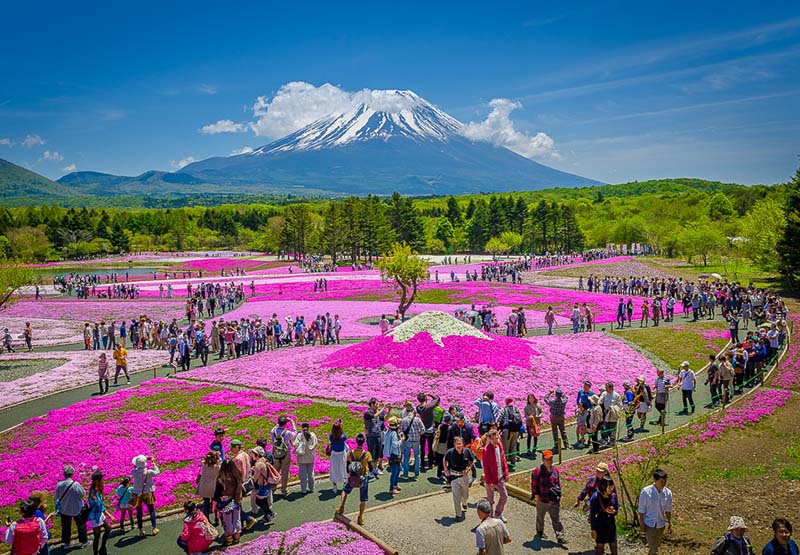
[457,352]
[217,264]
[80,369]
[787,375]
[311,538]
[620,266]
[46,331]
[87,310]
[100,433]
[755,408]
[564,361]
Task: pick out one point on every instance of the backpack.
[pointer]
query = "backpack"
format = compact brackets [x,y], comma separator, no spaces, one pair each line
[513,419]
[279,447]
[649,393]
[355,471]
[209,530]
[26,537]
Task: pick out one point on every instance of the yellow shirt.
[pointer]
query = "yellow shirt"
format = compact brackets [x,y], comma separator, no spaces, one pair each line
[121,356]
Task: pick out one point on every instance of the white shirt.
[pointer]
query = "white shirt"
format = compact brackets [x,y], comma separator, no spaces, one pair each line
[654,504]
[687,380]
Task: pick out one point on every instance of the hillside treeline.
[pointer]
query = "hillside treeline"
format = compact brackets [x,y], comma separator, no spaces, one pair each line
[686,218]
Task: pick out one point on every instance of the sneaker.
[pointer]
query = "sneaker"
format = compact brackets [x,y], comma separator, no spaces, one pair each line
[561,541]
[380,472]
[84,545]
[464,507]
[360,520]
[539,535]
[502,518]
[141,533]
[156,531]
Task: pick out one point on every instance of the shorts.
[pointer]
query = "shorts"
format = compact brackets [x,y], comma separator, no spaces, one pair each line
[363,491]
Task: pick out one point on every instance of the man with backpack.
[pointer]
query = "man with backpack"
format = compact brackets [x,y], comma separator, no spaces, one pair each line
[734,541]
[68,504]
[412,428]
[282,439]
[510,423]
[359,467]
[28,534]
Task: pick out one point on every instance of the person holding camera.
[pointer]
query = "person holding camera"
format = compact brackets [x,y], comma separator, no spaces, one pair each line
[546,489]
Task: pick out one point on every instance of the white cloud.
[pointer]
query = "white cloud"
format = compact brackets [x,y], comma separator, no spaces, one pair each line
[223,126]
[53,155]
[205,88]
[70,168]
[182,162]
[295,105]
[6,142]
[31,140]
[243,150]
[498,129]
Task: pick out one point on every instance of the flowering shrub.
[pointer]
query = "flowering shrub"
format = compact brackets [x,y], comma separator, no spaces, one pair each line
[311,538]
[356,373]
[167,419]
[79,369]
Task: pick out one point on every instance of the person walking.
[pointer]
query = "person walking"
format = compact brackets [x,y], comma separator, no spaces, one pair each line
[546,490]
[782,542]
[207,480]
[282,437]
[121,361]
[69,496]
[392,450]
[228,495]
[359,468]
[661,387]
[458,463]
[655,511]
[734,541]
[102,373]
[495,472]
[558,407]
[550,320]
[412,428]
[491,534]
[603,509]
[143,488]
[338,455]
[688,385]
[533,422]
[98,515]
[305,450]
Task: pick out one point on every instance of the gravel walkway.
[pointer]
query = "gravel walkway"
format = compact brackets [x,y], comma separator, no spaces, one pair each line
[426,526]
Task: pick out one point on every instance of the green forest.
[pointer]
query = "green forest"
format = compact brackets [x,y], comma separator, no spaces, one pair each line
[691,219]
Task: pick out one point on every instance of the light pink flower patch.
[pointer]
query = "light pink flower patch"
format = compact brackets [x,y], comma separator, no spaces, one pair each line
[80,369]
[311,538]
[88,310]
[212,264]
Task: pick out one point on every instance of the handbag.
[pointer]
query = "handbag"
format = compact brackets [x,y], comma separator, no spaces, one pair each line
[210,531]
[328,450]
[227,505]
[248,486]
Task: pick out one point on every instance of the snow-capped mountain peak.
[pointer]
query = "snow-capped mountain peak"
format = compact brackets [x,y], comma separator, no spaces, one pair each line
[376,114]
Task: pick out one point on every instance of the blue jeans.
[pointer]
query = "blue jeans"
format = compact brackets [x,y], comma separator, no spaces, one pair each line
[407,447]
[394,476]
[575,326]
[549,329]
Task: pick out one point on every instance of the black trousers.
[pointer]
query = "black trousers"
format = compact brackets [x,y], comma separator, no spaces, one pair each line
[66,529]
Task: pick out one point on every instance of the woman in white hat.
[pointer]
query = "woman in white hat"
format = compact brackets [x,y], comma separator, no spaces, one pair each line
[734,541]
[143,490]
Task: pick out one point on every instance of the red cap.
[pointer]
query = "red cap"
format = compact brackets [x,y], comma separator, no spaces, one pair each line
[547,454]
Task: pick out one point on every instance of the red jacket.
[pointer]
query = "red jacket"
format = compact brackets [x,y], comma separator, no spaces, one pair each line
[193,533]
[490,474]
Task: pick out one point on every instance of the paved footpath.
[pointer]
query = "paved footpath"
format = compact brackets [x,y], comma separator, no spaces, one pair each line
[296,509]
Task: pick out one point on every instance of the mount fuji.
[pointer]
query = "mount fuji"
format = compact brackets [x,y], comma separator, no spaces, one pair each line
[387,141]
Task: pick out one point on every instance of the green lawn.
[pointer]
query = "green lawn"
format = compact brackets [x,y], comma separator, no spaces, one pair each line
[683,341]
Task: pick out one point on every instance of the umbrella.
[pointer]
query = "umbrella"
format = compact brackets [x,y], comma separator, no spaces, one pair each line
[716,276]
[471,313]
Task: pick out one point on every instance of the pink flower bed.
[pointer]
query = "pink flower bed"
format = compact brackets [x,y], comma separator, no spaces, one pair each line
[311,538]
[80,369]
[564,361]
[96,310]
[457,352]
[212,264]
[46,331]
[107,432]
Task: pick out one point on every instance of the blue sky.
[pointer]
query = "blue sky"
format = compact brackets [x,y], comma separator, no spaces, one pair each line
[625,90]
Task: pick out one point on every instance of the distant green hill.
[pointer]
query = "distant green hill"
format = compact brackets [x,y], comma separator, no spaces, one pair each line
[19,185]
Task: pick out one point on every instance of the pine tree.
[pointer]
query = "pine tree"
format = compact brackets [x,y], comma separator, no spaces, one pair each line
[789,245]
[454,212]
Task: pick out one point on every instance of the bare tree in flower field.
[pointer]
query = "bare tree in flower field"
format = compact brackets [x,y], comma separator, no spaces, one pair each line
[405,269]
[12,277]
